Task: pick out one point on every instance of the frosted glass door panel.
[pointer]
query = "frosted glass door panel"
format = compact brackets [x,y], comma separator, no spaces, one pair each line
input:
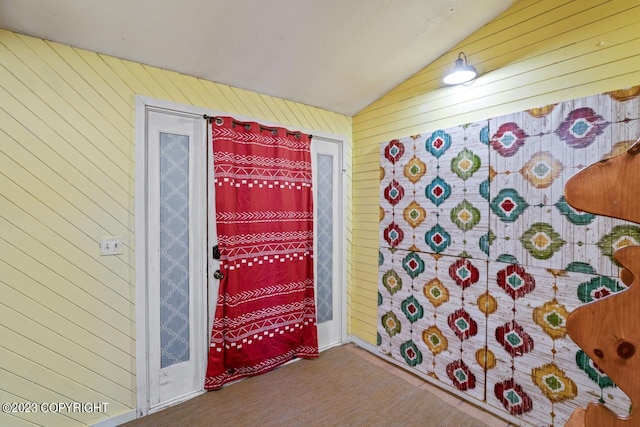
[174,249]
[325,238]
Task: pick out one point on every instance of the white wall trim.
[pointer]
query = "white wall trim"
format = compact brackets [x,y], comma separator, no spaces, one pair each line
[173,402]
[140,224]
[116,420]
[345,241]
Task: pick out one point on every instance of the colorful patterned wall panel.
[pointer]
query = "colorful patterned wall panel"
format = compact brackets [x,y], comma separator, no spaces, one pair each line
[434,187]
[429,306]
[481,259]
[533,154]
[540,375]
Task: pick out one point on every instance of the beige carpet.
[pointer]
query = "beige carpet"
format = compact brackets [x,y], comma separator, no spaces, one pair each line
[338,389]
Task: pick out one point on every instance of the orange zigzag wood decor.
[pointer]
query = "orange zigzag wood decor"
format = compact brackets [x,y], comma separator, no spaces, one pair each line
[608,330]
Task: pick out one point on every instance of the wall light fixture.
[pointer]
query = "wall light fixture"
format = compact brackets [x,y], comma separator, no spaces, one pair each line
[461,73]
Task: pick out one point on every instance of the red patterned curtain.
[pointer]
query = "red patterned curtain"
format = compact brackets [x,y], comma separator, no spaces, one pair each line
[265,314]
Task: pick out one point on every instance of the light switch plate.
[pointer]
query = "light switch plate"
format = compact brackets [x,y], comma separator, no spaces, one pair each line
[111,245]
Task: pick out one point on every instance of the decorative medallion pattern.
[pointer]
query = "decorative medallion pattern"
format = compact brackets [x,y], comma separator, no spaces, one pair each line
[414,214]
[394,192]
[619,237]
[508,139]
[445,212]
[465,164]
[411,354]
[541,240]
[554,383]
[575,218]
[581,127]
[436,292]
[394,151]
[464,273]
[465,216]
[413,264]
[552,318]
[592,370]
[393,235]
[462,324]
[459,373]
[513,397]
[412,309]
[514,339]
[438,239]
[508,205]
[392,282]
[435,340]
[391,323]
[515,281]
[541,169]
[438,143]
[415,169]
[438,191]
[598,287]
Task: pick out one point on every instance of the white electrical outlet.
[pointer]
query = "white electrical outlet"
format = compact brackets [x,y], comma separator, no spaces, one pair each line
[111,245]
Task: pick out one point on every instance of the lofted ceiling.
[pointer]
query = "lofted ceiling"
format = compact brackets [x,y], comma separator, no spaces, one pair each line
[340,55]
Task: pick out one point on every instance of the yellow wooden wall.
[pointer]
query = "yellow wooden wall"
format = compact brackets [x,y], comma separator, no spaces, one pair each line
[537,52]
[67,316]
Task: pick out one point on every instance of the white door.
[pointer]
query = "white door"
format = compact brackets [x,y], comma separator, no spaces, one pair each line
[327,205]
[176,256]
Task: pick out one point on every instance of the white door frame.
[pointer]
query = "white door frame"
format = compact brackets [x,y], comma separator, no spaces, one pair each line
[141,309]
[338,233]
[143,272]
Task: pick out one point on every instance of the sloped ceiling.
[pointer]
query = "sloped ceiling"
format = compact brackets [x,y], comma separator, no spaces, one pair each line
[340,55]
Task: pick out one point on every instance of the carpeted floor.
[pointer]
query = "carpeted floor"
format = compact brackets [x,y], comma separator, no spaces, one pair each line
[341,388]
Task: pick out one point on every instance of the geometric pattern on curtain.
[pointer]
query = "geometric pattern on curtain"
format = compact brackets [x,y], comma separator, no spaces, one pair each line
[265,314]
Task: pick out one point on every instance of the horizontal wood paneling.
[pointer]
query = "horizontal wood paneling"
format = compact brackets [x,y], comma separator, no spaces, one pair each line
[519,37]
[86,329]
[537,52]
[33,383]
[67,316]
[34,419]
[69,366]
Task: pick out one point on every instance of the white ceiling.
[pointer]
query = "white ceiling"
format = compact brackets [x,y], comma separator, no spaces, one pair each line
[340,55]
